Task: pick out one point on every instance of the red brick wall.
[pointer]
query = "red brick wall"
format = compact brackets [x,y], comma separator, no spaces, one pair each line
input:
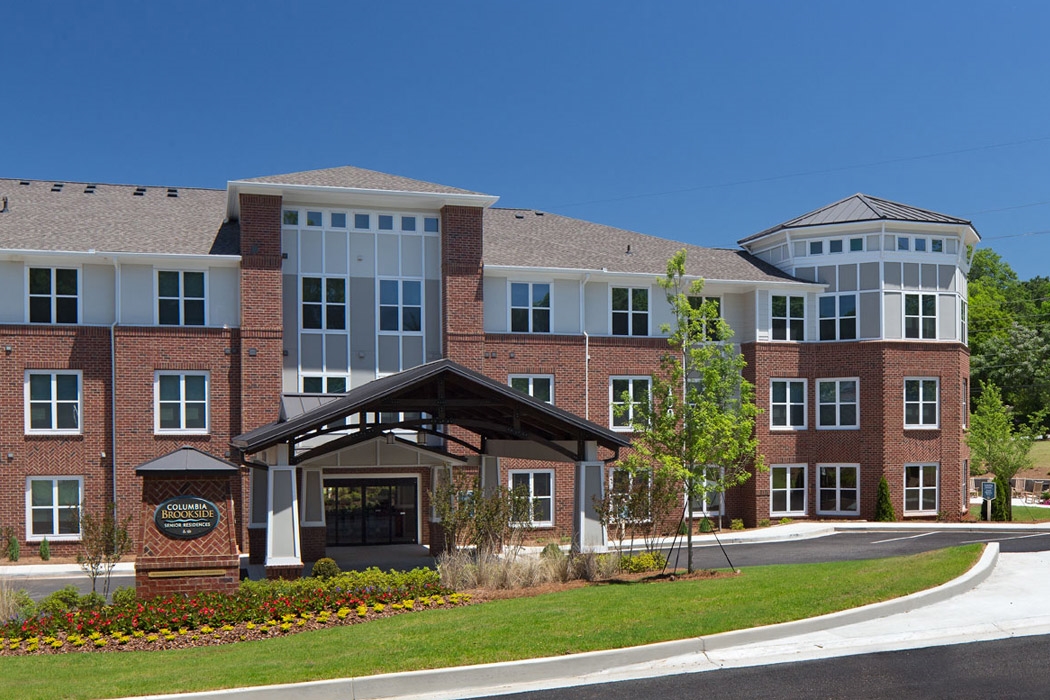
[461,285]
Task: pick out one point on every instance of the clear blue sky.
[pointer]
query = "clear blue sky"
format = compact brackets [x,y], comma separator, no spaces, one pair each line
[699,121]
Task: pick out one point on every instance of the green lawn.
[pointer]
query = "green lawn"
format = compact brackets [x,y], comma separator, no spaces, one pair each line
[1021,514]
[1040,454]
[584,619]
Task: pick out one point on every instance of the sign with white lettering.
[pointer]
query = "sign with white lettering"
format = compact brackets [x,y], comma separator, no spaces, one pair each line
[186,517]
[988,490]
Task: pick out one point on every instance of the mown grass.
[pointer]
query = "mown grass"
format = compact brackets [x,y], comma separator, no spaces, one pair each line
[584,619]
[1021,513]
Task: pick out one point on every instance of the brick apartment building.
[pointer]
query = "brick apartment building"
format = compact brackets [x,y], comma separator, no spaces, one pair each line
[136,320]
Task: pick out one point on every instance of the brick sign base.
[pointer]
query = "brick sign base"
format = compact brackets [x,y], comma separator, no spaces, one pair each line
[166,565]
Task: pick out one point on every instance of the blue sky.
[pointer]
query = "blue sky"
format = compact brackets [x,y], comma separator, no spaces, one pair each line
[699,121]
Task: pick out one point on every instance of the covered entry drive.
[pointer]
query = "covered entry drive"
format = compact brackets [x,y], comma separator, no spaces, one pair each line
[371,511]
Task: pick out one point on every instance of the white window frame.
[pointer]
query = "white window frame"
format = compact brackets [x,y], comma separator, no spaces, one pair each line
[920,316]
[54,296]
[837,318]
[787,404]
[618,517]
[324,303]
[789,512]
[923,487]
[838,489]
[181,298]
[614,400]
[401,306]
[182,375]
[68,537]
[705,511]
[532,492]
[530,308]
[631,312]
[788,318]
[531,379]
[838,404]
[54,402]
[922,402]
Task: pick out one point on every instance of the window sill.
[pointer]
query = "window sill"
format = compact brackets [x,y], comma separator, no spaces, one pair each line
[920,514]
[787,429]
[181,433]
[53,538]
[922,427]
[838,427]
[53,433]
[839,513]
[789,514]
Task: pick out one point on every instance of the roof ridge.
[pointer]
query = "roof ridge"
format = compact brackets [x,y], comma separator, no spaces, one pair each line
[99,183]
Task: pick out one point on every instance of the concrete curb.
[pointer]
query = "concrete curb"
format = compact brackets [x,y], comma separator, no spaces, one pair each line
[469,681]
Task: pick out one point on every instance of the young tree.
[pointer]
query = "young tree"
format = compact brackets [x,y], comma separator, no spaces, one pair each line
[104,540]
[698,425]
[999,445]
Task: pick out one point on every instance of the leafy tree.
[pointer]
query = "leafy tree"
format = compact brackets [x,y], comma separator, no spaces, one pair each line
[701,411]
[104,540]
[999,445]
[490,522]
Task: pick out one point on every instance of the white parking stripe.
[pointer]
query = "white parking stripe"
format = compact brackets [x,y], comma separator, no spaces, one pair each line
[1003,539]
[909,537]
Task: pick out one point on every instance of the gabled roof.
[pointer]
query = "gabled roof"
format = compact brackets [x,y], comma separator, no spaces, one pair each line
[186,459]
[453,395]
[529,238]
[350,177]
[859,208]
[56,215]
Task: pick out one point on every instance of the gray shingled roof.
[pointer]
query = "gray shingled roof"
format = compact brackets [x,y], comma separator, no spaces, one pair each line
[524,237]
[858,208]
[357,178]
[113,218]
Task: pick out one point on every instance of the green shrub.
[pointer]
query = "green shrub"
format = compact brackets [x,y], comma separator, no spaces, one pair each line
[785,521]
[91,601]
[883,505]
[61,601]
[125,595]
[552,551]
[736,524]
[683,528]
[705,525]
[45,550]
[325,569]
[645,561]
[13,548]
[764,522]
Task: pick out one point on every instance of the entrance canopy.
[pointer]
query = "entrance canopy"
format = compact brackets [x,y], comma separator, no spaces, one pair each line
[428,400]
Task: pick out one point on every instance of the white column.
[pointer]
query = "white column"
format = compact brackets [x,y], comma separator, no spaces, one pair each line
[588,535]
[313,497]
[282,514]
[489,474]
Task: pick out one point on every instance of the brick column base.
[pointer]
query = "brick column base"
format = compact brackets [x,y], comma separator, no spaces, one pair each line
[157,576]
[287,573]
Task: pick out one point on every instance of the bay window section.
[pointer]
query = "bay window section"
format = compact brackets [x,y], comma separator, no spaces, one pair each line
[838,317]
[920,316]
[789,317]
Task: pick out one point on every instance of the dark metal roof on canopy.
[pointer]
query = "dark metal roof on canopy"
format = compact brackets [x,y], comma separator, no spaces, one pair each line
[184,460]
[451,395]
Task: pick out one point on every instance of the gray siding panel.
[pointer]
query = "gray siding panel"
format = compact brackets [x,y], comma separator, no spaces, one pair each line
[389,353]
[911,275]
[806,273]
[762,331]
[335,352]
[412,351]
[596,308]
[948,314]
[362,254]
[290,324]
[224,292]
[659,310]
[388,257]
[362,324]
[12,292]
[311,246]
[495,305]
[892,306]
[290,247]
[432,256]
[336,252]
[97,298]
[870,309]
[136,295]
[892,275]
[826,275]
[313,352]
[946,278]
[565,306]
[869,275]
[847,278]
[432,322]
[738,310]
[929,277]
[412,256]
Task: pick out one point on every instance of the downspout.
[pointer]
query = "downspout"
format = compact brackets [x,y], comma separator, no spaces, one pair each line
[586,353]
[113,383]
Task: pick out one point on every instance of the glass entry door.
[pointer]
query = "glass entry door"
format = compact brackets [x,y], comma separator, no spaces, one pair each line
[371,511]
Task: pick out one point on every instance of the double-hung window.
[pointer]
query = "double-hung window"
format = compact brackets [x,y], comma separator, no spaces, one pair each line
[838,489]
[53,401]
[838,317]
[54,295]
[920,316]
[53,507]
[708,501]
[787,492]
[538,488]
[630,311]
[631,493]
[324,303]
[628,396]
[538,386]
[787,404]
[181,402]
[837,404]
[530,307]
[711,330]
[789,317]
[400,306]
[180,298]
[921,403]
[920,488]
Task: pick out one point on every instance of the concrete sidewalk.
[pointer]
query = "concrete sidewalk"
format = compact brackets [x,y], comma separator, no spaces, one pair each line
[1003,596]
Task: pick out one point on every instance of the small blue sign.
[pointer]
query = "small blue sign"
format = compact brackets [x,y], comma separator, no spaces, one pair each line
[988,490]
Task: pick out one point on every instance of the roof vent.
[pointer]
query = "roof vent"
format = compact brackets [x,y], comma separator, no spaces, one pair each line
[173,192]
[24,183]
[3,204]
[629,249]
[519,216]
[57,187]
[90,189]
[139,191]
[539,213]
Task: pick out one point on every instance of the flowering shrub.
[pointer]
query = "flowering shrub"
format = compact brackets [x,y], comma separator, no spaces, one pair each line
[255,602]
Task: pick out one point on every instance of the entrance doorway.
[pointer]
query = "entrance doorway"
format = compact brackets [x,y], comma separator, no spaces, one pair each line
[371,511]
